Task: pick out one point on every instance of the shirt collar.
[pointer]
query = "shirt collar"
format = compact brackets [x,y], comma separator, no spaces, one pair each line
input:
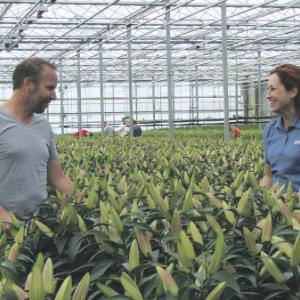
[279,123]
[297,123]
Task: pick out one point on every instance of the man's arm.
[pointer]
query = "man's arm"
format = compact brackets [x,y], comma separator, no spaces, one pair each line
[57,178]
[267,179]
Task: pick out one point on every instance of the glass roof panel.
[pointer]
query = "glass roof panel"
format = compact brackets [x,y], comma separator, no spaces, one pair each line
[57,30]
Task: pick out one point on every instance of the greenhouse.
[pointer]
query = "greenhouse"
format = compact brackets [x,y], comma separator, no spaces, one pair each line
[149,149]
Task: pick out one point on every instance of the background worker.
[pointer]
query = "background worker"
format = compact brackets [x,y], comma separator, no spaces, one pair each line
[282,134]
[124,127]
[235,131]
[28,156]
[84,132]
[108,129]
[136,129]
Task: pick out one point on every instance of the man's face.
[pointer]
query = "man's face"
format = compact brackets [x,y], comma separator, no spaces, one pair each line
[43,93]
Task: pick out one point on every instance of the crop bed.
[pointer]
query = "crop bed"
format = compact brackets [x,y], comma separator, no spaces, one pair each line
[158,219]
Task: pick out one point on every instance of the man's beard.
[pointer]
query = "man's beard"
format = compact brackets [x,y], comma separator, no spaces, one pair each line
[41,107]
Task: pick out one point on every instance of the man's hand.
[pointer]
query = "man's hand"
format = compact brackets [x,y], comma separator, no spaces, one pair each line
[5,217]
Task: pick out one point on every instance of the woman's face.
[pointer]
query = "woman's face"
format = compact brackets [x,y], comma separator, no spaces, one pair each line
[281,100]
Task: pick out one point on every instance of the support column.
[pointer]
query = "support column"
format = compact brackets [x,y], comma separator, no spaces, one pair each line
[173,97]
[153,101]
[236,92]
[161,118]
[192,101]
[259,98]
[197,95]
[136,101]
[129,76]
[225,74]
[169,73]
[113,103]
[101,85]
[79,117]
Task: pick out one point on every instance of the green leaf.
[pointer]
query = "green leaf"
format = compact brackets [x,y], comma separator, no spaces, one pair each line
[9,269]
[120,297]
[64,292]
[274,287]
[8,295]
[229,279]
[60,243]
[101,268]
[138,225]
[150,284]
[273,295]
[74,246]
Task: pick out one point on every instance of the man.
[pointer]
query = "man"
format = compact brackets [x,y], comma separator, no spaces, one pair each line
[28,156]
[136,129]
[124,128]
[108,129]
[235,131]
[84,132]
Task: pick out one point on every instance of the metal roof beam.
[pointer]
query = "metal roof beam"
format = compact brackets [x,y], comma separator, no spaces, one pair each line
[142,3]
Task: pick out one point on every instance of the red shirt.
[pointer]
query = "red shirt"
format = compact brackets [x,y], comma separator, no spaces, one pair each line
[83,133]
[236,132]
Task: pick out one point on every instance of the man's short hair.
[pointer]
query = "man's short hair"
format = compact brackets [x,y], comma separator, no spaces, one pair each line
[29,68]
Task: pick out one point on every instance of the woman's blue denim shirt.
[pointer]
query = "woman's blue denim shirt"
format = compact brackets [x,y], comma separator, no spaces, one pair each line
[282,152]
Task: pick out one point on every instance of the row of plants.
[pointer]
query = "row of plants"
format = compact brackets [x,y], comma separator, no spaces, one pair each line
[158,219]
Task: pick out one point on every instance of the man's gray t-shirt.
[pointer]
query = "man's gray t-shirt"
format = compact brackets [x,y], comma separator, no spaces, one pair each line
[25,150]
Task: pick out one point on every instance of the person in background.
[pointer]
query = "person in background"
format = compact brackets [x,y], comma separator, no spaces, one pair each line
[124,128]
[108,129]
[84,132]
[28,156]
[282,134]
[136,129]
[235,131]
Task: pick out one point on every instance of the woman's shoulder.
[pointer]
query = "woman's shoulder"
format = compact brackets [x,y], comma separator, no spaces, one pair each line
[273,122]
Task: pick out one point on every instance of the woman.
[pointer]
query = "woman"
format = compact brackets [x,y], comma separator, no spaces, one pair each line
[282,134]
